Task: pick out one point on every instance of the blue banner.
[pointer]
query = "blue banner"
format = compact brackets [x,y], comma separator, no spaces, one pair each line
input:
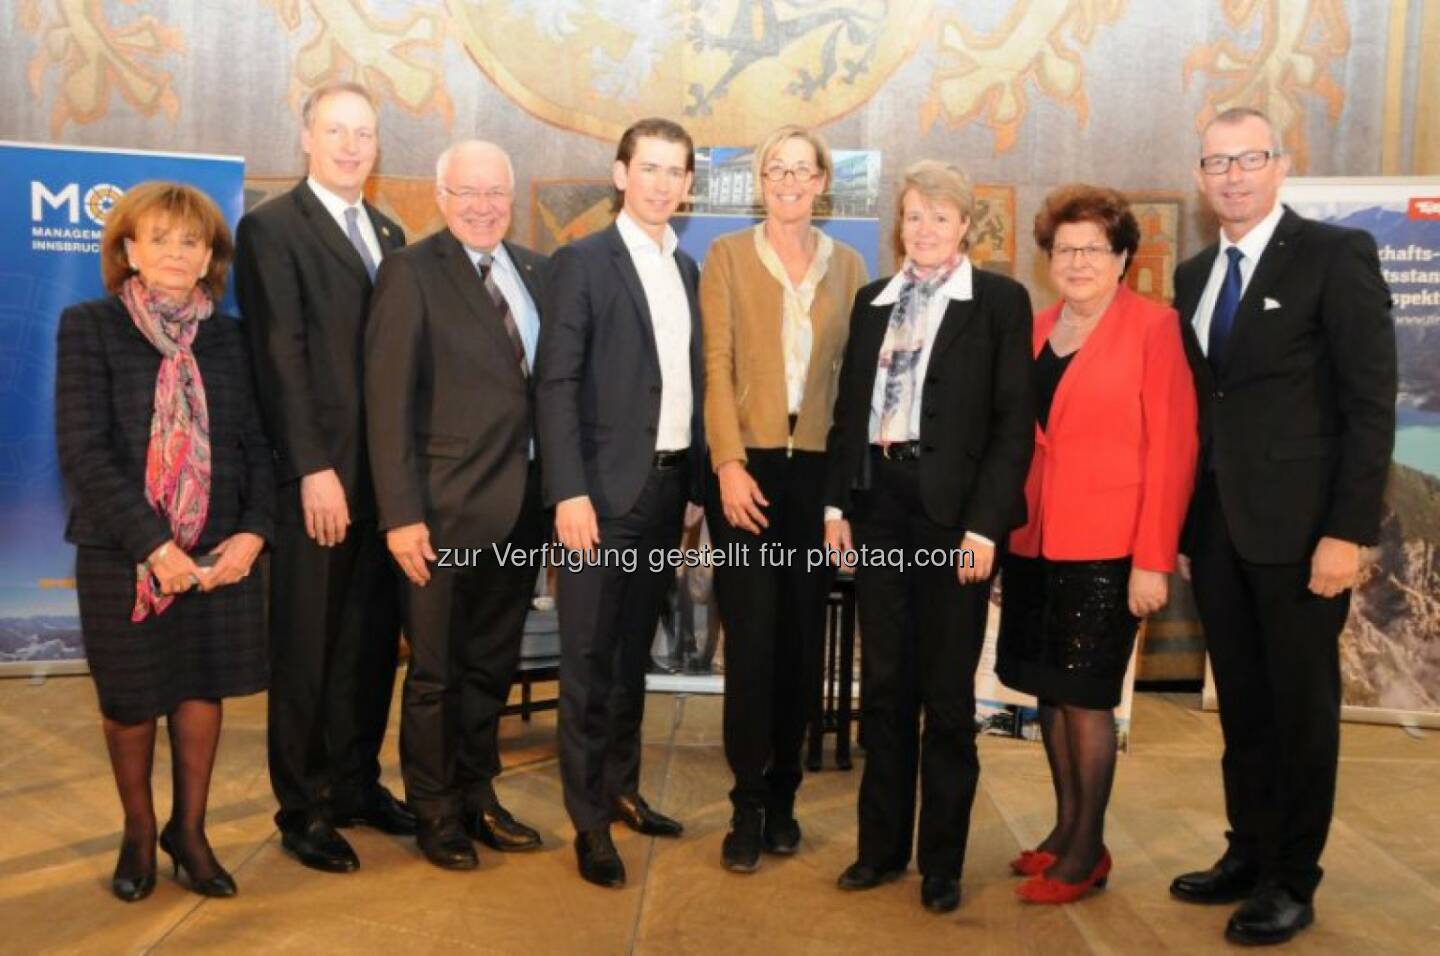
[53,204]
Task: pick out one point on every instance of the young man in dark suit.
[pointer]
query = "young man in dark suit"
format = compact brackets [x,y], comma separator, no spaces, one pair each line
[620,401]
[1291,342]
[449,353]
[304,266]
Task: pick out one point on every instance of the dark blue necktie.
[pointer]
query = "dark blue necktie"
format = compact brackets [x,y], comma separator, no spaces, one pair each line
[1226,304]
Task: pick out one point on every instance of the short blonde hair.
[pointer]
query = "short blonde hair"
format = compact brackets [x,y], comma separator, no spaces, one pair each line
[181,204]
[784,134]
[937,182]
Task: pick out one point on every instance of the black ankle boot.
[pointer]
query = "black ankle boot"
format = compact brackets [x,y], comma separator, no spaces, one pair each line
[741,850]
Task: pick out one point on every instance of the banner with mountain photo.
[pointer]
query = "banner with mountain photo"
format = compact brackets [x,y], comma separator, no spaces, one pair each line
[1390,649]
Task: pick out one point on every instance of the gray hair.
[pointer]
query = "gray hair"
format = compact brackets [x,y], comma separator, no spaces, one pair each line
[1236,115]
[443,162]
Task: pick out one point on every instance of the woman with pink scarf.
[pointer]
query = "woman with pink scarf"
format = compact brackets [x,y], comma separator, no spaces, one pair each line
[171,489]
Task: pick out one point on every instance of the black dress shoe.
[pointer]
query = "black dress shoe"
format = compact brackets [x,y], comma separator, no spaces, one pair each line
[600,862]
[940,894]
[382,810]
[497,829]
[1228,881]
[863,876]
[132,882]
[635,813]
[1272,915]
[740,852]
[217,883]
[316,844]
[444,843]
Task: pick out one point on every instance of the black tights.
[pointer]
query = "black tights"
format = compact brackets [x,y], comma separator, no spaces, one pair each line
[1080,745]
[194,729]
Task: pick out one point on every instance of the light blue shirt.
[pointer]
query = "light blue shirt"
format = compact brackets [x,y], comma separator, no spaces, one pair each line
[512,287]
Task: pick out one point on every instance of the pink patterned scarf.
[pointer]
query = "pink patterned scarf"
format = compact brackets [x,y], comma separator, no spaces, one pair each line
[177,462]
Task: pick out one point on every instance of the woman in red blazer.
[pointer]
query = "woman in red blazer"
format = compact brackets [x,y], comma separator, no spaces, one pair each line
[1115,449]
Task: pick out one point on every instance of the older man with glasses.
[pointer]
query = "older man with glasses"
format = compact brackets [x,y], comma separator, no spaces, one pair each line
[450,357]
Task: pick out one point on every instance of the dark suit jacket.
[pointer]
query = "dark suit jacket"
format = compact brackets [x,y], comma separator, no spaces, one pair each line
[977,429]
[599,377]
[304,294]
[1299,422]
[450,411]
[104,402]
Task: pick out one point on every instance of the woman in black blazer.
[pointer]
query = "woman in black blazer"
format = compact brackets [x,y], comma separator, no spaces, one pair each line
[932,435]
[172,492]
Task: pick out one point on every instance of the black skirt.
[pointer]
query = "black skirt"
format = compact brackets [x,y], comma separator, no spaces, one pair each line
[1066,631]
[207,646]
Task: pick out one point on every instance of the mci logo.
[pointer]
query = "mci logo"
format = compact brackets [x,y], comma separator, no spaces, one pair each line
[96,203]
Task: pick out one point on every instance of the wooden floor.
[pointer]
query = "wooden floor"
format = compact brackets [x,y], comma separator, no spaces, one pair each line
[61,831]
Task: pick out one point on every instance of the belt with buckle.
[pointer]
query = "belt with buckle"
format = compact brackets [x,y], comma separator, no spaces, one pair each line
[670,459]
[899,450]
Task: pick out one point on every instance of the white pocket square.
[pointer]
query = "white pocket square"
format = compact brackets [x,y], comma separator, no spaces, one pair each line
[1271,304]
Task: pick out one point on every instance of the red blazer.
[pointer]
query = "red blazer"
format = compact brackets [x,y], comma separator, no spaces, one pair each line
[1112,474]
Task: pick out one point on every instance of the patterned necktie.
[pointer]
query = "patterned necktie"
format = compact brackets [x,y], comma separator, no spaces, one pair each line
[1226,304]
[352,230]
[498,298]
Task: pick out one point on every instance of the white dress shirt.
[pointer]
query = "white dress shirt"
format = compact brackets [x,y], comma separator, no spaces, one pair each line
[670,319]
[336,207]
[1252,246]
[960,287]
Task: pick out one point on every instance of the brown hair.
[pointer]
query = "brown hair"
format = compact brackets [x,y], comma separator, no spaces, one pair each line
[936,182]
[782,136]
[655,128]
[180,204]
[327,90]
[1101,205]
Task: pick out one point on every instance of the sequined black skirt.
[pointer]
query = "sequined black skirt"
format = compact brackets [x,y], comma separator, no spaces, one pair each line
[1066,631]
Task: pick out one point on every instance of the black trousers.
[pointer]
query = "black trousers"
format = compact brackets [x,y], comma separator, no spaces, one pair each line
[773,611]
[921,633]
[1275,650]
[608,618]
[465,629]
[334,636]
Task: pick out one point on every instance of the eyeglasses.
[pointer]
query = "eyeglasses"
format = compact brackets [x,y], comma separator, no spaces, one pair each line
[803,174]
[1081,253]
[495,196]
[1218,164]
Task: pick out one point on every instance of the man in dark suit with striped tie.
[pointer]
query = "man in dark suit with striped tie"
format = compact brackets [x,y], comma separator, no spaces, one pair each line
[1287,323]
[450,353]
[304,267]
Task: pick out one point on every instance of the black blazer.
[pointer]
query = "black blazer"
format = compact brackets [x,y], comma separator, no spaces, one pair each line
[977,427]
[104,402]
[1299,422]
[304,294]
[450,411]
[598,376]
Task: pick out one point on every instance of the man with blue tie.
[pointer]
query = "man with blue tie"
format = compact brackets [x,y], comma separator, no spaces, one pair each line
[1288,328]
[305,264]
[449,372]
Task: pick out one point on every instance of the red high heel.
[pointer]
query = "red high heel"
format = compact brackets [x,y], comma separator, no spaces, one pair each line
[1032,862]
[1041,889]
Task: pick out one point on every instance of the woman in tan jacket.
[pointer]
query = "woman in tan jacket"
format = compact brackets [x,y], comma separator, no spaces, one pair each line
[776,303]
